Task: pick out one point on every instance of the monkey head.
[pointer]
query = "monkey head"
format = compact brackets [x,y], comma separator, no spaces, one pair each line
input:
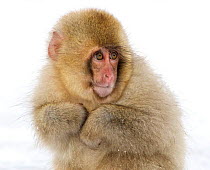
[91,54]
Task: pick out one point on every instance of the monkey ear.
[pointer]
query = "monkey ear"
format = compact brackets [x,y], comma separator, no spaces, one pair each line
[54,45]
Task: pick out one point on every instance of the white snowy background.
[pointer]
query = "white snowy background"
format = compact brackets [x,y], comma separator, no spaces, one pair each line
[174,35]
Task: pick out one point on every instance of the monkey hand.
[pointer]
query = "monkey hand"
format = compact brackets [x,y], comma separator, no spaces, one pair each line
[75,117]
[93,131]
[108,127]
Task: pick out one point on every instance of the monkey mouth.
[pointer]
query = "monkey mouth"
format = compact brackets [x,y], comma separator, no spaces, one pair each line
[102,90]
[101,86]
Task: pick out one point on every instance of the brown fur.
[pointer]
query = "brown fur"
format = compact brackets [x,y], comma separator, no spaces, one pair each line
[137,127]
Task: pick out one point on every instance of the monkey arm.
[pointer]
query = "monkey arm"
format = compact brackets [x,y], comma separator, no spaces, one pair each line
[126,129]
[56,123]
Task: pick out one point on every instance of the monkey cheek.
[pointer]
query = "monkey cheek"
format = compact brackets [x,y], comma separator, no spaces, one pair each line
[103,92]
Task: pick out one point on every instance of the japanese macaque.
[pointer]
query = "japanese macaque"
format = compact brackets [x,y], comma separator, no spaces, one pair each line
[98,106]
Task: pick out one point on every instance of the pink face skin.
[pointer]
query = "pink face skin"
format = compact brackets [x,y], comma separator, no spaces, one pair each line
[104,67]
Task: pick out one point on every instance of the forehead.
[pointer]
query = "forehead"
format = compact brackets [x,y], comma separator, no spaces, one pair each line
[99,27]
[107,49]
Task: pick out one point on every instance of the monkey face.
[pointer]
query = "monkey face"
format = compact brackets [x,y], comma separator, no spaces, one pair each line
[104,64]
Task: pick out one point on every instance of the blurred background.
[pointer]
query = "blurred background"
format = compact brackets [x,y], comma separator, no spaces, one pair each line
[174,36]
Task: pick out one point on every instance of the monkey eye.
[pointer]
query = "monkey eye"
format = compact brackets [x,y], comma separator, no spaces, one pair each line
[98,56]
[114,55]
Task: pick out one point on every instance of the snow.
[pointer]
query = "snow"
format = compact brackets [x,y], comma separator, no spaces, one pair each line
[173,35]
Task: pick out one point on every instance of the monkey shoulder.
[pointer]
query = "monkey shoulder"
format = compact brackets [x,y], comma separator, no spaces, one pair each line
[145,87]
[49,88]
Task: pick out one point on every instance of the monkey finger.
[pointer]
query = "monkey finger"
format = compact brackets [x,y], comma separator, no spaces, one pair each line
[92,144]
[90,140]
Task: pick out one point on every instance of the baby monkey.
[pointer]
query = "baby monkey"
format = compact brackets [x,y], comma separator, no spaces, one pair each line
[98,106]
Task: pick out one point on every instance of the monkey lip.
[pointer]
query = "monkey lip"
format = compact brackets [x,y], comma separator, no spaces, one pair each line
[102,86]
[102,91]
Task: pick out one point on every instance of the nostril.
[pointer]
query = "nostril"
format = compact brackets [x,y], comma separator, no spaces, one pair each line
[107,76]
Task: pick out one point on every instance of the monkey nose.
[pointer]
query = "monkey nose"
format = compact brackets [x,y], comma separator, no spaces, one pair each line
[108,78]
